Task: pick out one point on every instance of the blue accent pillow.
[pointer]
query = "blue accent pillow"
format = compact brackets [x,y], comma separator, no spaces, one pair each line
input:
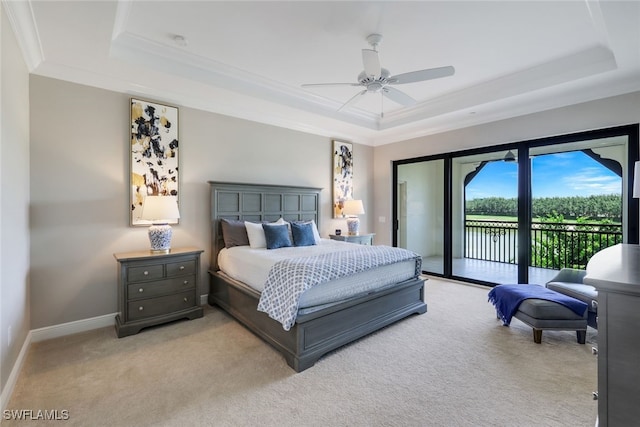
[303,234]
[277,236]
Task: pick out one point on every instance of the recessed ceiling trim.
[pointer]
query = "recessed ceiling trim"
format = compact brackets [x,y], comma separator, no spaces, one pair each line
[123,11]
[136,49]
[588,62]
[20,14]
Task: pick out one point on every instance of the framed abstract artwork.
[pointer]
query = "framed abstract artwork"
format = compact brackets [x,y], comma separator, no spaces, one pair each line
[342,175]
[154,154]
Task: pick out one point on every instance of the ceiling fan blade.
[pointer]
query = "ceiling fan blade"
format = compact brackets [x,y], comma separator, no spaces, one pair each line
[398,96]
[371,62]
[422,75]
[330,84]
[352,100]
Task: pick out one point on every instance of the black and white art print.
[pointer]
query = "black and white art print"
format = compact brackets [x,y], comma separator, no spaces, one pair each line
[342,175]
[154,154]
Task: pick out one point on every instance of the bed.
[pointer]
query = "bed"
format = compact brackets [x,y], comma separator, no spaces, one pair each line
[316,331]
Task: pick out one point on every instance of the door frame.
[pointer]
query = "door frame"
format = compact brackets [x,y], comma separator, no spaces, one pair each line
[632,234]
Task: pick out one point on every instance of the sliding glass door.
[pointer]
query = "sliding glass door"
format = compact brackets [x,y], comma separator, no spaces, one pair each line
[420,211]
[578,202]
[485,217]
[518,213]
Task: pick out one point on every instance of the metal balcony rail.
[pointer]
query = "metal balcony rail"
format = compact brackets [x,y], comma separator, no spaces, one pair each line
[554,245]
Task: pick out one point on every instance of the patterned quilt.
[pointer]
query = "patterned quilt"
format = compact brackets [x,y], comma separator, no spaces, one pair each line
[288,279]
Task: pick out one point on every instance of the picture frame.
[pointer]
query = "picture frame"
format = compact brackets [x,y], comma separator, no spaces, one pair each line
[342,175]
[154,155]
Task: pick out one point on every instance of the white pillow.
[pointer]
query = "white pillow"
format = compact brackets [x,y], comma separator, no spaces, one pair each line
[316,234]
[255,232]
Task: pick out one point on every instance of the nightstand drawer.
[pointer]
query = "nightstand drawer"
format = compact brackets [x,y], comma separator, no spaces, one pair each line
[155,288]
[160,287]
[145,272]
[181,268]
[161,305]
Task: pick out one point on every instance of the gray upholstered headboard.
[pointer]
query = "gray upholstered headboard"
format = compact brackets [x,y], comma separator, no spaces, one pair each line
[257,202]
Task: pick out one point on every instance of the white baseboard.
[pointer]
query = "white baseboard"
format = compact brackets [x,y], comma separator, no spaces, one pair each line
[55,331]
[7,391]
[46,333]
[83,325]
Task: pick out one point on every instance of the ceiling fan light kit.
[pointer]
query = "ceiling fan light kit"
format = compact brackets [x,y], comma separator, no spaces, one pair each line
[376,79]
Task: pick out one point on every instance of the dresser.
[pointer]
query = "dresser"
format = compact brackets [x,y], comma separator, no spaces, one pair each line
[361,239]
[156,288]
[615,273]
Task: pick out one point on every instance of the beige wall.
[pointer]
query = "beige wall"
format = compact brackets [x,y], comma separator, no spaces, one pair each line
[14,200]
[609,112]
[80,188]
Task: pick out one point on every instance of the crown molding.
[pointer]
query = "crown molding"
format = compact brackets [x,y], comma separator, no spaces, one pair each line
[588,62]
[22,20]
[139,50]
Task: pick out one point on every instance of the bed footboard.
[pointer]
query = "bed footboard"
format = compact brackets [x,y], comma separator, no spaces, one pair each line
[320,332]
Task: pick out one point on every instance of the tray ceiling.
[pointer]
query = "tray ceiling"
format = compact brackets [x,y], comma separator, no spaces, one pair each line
[249,59]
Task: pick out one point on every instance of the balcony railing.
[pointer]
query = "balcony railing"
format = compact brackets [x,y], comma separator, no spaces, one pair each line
[553,245]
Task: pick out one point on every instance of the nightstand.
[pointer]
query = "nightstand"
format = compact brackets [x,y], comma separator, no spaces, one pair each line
[361,239]
[156,288]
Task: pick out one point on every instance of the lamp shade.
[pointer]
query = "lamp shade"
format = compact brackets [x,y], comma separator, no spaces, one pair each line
[160,208]
[636,181]
[353,207]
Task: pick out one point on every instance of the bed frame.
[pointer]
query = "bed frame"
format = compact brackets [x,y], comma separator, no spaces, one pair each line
[314,334]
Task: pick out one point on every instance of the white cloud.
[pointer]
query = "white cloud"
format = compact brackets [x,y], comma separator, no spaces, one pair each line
[592,181]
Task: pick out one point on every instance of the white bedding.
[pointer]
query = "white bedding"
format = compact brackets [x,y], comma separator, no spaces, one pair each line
[252,266]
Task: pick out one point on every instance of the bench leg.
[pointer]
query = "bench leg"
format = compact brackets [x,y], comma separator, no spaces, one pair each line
[537,335]
[581,335]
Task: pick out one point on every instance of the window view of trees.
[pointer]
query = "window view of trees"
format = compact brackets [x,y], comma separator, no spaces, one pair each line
[558,243]
[593,207]
[570,220]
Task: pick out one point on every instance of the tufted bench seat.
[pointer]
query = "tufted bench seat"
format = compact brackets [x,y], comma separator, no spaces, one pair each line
[541,313]
[548,315]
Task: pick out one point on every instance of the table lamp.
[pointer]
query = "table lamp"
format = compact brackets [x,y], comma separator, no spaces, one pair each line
[159,210]
[351,209]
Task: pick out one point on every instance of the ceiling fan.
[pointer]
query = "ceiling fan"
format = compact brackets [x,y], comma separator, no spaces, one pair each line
[376,79]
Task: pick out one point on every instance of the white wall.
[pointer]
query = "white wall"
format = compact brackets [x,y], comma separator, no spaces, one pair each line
[609,112]
[14,202]
[80,188]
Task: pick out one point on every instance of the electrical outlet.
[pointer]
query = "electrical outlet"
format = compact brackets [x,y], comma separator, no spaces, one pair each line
[9,336]
[382,219]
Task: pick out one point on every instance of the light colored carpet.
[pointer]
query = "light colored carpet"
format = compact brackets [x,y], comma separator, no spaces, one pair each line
[456,365]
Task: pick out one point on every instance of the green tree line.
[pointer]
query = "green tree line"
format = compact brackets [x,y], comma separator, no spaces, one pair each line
[591,207]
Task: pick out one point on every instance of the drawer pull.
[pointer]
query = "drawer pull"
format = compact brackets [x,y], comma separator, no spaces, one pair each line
[140,308]
[186,299]
[146,273]
[186,282]
[141,290]
[182,267]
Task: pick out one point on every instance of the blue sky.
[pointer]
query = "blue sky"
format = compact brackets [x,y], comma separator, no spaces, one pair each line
[553,175]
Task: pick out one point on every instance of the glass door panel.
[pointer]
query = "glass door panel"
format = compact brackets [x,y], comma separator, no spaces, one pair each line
[485,217]
[577,203]
[420,212]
